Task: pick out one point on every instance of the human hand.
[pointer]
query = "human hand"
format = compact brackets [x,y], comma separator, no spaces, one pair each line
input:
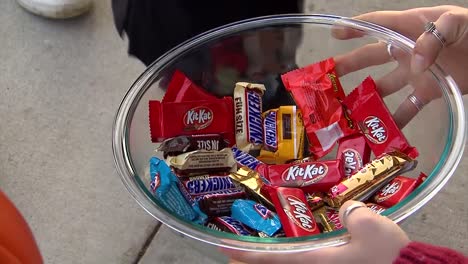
[374,239]
[450,21]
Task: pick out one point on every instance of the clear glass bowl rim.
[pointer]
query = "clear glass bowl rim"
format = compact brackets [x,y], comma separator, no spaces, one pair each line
[439,176]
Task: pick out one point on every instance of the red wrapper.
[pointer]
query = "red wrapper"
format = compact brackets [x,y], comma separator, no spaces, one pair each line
[375,121]
[317,91]
[334,218]
[395,191]
[293,211]
[378,209]
[192,118]
[182,89]
[311,176]
[354,152]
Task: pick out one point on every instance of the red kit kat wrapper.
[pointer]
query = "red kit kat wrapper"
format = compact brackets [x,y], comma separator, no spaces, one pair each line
[310,176]
[295,215]
[182,89]
[396,190]
[375,121]
[317,91]
[354,152]
[192,118]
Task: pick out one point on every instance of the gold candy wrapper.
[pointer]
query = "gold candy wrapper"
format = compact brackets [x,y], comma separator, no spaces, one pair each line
[202,161]
[361,185]
[253,184]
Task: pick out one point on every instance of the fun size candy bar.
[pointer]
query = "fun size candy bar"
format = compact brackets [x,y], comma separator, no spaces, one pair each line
[317,91]
[244,159]
[373,176]
[256,216]
[315,200]
[328,218]
[253,183]
[248,111]
[396,190]
[203,161]
[378,209]
[172,119]
[230,225]
[292,209]
[312,176]
[375,121]
[178,145]
[182,89]
[219,203]
[284,135]
[164,188]
[354,153]
[204,184]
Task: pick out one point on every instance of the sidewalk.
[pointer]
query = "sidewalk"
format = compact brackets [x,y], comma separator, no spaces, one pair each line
[61,83]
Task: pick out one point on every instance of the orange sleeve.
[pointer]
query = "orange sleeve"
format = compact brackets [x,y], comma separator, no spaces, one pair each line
[17,244]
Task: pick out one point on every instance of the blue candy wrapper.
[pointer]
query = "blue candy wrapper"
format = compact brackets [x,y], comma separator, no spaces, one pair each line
[256,216]
[165,189]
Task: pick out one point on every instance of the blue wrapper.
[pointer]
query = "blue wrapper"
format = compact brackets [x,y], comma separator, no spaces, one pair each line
[256,216]
[244,159]
[164,186]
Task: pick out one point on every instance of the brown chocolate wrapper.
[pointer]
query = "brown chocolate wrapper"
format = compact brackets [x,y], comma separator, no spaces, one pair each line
[371,178]
[203,161]
[181,144]
[253,183]
[315,200]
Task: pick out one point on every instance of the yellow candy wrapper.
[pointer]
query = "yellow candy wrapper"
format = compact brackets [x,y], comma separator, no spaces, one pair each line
[283,135]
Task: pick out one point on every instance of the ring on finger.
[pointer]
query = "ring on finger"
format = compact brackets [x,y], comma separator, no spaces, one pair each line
[350,209]
[416,102]
[430,27]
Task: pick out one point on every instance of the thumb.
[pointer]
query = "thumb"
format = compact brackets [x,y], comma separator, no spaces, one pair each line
[451,25]
[360,221]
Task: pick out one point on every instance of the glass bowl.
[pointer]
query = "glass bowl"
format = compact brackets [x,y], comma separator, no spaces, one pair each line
[273,45]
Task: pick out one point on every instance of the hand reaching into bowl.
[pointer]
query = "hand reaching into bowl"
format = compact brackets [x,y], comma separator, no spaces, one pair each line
[449,50]
[374,239]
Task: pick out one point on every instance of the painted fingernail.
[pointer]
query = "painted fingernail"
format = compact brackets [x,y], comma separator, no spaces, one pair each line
[418,64]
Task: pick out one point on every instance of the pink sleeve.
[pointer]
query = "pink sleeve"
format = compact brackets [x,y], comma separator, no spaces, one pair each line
[421,253]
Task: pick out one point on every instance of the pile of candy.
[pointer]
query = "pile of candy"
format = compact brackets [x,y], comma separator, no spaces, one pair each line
[233,167]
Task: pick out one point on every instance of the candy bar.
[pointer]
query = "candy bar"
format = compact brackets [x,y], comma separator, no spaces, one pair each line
[284,135]
[395,191]
[373,176]
[248,110]
[219,203]
[354,152]
[164,188]
[292,209]
[170,119]
[328,218]
[315,200]
[312,176]
[280,233]
[253,183]
[182,89]
[378,209]
[203,161]
[204,184]
[244,159]
[375,121]
[230,225]
[256,216]
[178,145]
[317,91]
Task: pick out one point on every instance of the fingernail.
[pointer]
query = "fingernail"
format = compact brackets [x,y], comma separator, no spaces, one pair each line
[418,64]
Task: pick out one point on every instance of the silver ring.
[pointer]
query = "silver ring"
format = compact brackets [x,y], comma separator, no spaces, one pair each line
[416,102]
[389,49]
[351,208]
[431,28]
